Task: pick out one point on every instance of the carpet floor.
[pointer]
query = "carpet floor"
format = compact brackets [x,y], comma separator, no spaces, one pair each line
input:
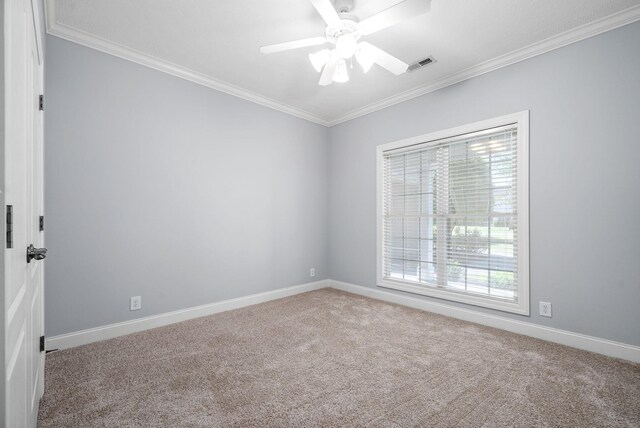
[329,358]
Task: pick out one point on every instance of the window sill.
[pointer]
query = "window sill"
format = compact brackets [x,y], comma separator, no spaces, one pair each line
[521,307]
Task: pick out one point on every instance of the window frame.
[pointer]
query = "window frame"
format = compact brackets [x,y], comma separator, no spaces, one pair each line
[521,120]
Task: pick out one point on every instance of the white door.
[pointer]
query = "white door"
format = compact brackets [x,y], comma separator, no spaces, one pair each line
[23,192]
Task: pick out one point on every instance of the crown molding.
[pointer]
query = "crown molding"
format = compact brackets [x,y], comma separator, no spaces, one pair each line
[577,34]
[574,35]
[94,42]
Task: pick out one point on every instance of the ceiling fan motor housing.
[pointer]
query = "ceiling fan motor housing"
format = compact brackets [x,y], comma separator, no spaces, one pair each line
[345,35]
[344,26]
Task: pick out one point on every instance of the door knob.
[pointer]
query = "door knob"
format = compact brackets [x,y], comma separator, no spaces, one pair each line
[35,253]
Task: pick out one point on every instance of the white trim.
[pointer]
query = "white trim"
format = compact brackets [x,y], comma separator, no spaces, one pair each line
[94,42]
[520,119]
[35,14]
[574,35]
[452,295]
[110,331]
[563,337]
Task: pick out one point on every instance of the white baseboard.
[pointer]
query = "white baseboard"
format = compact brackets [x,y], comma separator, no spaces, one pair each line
[110,331]
[563,337]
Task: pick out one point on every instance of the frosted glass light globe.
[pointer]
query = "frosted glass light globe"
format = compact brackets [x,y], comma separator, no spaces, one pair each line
[365,58]
[319,59]
[346,46]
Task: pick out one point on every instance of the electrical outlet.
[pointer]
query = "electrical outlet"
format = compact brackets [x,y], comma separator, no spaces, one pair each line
[545,309]
[312,272]
[136,303]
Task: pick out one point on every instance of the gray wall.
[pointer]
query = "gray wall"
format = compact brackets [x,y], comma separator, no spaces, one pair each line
[584,101]
[183,195]
[172,191]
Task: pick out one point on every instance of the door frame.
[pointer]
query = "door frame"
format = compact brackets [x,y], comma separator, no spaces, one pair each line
[3,220]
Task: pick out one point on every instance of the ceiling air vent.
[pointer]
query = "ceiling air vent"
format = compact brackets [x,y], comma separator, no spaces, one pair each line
[421,63]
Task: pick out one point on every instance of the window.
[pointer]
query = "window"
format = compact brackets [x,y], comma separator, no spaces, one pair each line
[453,214]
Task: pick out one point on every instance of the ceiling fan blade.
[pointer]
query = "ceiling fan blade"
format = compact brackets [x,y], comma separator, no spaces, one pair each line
[279,47]
[326,10]
[401,12]
[327,73]
[384,59]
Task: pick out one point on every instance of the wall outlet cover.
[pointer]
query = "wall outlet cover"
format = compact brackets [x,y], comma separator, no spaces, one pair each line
[545,309]
[135,303]
[312,272]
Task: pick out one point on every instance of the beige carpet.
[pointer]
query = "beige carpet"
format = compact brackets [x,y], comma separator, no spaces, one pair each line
[328,358]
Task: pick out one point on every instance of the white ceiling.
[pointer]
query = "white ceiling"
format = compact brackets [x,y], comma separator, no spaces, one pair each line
[216,43]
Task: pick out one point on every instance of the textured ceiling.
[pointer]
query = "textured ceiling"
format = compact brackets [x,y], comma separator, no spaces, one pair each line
[220,40]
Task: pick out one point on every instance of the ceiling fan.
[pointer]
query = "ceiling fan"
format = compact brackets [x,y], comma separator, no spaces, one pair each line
[344,32]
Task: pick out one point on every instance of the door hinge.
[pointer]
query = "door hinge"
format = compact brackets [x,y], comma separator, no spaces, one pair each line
[41,102]
[41,343]
[41,223]
[9,217]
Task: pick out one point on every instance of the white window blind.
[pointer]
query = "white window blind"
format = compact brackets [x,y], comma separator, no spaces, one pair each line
[450,214]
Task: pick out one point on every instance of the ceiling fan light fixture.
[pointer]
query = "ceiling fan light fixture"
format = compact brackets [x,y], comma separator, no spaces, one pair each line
[346,45]
[319,59]
[364,58]
[341,75]
[344,31]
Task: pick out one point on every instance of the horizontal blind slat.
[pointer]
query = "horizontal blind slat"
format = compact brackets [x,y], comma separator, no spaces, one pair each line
[465,185]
